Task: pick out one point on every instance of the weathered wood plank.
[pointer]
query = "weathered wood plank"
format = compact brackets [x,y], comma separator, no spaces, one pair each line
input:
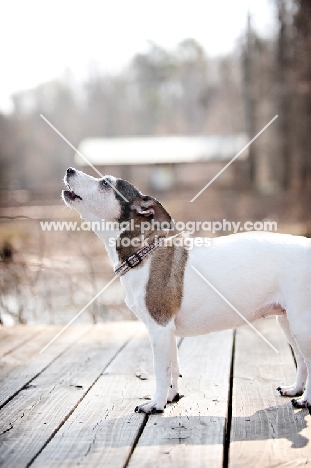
[21,365]
[191,433]
[103,428]
[13,337]
[32,417]
[266,431]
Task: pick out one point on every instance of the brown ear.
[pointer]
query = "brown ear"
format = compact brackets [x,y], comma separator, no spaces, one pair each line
[149,206]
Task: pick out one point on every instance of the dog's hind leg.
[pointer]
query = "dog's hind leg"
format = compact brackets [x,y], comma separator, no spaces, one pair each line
[301,330]
[173,394]
[301,376]
[161,338]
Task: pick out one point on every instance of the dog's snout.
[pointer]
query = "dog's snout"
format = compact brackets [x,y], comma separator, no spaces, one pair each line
[70,170]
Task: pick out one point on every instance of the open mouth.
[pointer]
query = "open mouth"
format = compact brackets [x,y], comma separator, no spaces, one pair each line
[70,194]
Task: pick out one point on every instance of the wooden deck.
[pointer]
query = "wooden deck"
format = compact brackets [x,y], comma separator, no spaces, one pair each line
[72,405]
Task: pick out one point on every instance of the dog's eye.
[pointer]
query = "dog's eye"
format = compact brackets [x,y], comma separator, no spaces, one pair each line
[104,183]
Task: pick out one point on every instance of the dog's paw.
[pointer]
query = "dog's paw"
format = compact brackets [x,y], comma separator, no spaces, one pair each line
[301,403]
[151,407]
[175,398]
[292,390]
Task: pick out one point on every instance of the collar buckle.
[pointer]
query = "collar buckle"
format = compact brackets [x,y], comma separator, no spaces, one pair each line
[133,260]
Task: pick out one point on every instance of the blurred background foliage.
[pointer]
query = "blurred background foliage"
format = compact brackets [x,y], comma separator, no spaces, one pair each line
[161,92]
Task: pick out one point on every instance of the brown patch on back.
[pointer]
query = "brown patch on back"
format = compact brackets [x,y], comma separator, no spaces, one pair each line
[164,290]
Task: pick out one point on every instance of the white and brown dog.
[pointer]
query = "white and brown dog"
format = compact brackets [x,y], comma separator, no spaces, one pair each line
[260,273]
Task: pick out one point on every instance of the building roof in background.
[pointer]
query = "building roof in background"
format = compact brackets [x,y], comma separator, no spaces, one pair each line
[160,150]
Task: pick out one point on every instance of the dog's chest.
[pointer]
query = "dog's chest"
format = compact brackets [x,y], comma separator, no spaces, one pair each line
[134,283]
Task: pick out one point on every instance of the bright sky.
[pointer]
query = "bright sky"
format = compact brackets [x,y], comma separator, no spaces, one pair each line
[40,39]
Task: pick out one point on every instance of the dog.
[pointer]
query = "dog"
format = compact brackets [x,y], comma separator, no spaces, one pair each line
[262,274]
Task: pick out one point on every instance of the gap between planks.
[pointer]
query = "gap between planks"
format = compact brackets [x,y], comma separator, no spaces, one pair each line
[19,367]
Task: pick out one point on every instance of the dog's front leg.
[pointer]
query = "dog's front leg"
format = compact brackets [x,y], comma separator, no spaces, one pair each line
[173,394]
[161,339]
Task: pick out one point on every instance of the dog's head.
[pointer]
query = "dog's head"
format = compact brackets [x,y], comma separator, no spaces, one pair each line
[109,198]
